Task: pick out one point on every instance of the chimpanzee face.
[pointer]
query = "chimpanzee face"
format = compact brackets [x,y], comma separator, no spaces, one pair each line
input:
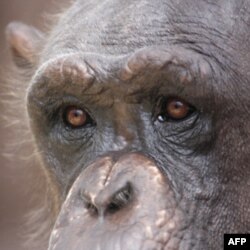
[141,112]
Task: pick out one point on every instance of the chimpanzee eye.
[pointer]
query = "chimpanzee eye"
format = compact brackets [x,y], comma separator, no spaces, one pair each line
[175,109]
[75,117]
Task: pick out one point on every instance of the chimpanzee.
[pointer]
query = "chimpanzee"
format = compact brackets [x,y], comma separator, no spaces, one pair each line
[141,112]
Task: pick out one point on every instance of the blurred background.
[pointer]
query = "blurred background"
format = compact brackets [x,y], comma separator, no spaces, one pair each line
[16,187]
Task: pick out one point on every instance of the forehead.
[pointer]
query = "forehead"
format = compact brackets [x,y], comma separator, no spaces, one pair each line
[118,27]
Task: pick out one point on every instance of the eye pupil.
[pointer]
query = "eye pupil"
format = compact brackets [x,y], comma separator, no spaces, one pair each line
[175,109]
[75,117]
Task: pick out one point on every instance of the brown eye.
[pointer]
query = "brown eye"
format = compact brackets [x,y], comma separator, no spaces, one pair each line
[75,117]
[175,109]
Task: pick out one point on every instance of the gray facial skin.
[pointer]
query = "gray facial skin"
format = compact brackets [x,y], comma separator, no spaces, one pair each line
[134,175]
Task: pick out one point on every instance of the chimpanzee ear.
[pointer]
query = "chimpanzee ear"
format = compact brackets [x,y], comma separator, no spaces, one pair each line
[25,43]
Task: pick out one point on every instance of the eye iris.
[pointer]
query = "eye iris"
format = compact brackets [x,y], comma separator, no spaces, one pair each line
[76,117]
[177,109]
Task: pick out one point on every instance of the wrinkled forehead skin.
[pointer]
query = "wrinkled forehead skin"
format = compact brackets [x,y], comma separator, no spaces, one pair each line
[217,28]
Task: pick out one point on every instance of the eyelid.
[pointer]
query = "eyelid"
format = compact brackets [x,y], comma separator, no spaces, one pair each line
[88,122]
[53,108]
[160,112]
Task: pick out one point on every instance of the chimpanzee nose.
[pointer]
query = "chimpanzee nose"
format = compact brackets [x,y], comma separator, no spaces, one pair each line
[108,187]
[116,185]
[117,203]
[112,187]
[110,200]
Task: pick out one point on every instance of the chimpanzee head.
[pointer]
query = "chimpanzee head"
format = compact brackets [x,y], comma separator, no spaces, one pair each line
[141,111]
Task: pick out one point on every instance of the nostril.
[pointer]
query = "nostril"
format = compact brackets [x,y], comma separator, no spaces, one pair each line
[92,209]
[107,202]
[120,199]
